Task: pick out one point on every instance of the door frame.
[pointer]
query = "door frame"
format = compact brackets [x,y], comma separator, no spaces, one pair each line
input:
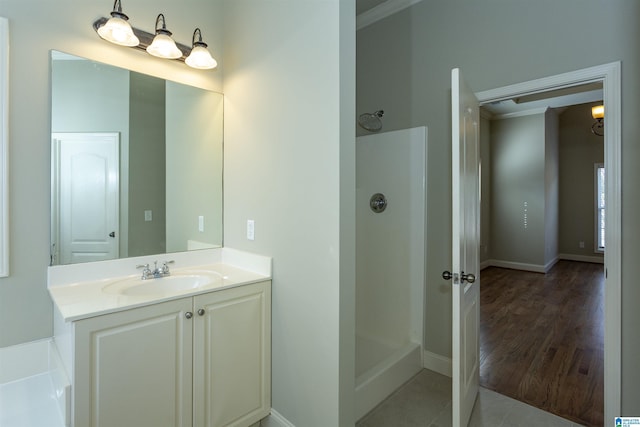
[610,76]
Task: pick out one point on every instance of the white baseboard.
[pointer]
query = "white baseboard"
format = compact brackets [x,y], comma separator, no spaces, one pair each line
[536,268]
[275,419]
[436,363]
[582,258]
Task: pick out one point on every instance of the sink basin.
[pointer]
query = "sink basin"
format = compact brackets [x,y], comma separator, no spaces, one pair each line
[174,284]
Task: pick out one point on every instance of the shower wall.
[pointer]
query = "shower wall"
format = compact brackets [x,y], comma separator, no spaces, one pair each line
[390,245]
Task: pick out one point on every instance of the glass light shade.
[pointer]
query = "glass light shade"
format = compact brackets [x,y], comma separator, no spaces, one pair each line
[117,30]
[200,58]
[597,112]
[163,46]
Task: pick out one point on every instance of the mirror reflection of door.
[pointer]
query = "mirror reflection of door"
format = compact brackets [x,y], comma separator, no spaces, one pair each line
[86,195]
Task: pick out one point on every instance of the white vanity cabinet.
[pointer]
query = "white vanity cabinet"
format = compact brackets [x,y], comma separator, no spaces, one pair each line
[201,361]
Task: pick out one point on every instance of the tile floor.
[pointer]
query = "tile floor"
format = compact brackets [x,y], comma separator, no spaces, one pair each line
[426,401]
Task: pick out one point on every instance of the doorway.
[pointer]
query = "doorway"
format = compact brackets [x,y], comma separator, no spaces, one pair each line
[609,76]
[542,334]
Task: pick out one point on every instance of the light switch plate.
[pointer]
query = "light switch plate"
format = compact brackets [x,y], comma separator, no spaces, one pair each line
[148,215]
[251,229]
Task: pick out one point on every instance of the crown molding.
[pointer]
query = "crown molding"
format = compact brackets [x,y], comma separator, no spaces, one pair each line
[381,11]
[523,113]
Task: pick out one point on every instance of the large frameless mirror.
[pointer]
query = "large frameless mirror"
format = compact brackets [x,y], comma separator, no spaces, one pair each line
[136,163]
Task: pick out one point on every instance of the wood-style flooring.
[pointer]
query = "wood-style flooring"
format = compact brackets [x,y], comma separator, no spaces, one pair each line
[542,338]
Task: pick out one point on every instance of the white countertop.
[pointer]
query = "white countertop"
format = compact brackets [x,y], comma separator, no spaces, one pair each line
[88,298]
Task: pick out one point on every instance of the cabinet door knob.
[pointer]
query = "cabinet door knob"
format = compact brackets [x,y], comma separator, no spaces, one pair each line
[188,315]
[201,311]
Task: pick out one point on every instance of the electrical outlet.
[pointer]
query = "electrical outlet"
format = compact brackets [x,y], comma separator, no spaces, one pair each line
[148,215]
[581,244]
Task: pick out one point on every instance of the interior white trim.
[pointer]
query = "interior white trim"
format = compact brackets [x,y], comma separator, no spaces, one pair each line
[275,420]
[4,151]
[582,258]
[524,113]
[536,268]
[610,76]
[437,363]
[381,11]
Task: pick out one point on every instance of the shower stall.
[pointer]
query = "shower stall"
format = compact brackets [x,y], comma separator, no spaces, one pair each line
[390,262]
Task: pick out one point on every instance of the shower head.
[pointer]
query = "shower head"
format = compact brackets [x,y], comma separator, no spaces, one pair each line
[371,121]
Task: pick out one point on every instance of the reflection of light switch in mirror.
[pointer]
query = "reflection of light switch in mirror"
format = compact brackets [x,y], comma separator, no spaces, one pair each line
[251,229]
[147,215]
[201,224]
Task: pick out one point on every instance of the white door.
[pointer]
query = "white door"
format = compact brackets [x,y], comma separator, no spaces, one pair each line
[86,196]
[465,189]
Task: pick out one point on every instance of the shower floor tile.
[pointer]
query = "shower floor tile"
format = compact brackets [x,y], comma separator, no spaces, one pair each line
[426,401]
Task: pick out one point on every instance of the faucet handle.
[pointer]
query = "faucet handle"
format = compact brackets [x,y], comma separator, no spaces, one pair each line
[165,266]
[146,272]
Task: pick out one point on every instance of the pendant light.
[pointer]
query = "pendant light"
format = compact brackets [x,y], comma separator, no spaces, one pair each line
[163,45]
[117,30]
[200,57]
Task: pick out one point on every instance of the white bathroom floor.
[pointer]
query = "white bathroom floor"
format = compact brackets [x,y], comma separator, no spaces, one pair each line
[29,402]
[426,401]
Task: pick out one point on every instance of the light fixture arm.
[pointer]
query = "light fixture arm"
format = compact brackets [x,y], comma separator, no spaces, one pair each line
[117,10]
[598,127]
[199,42]
[162,30]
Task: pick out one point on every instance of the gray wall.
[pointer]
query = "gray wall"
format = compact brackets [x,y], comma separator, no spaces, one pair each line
[518,200]
[579,151]
[290,166]
[147,154]
[404,65]
[524,189]
[194,162]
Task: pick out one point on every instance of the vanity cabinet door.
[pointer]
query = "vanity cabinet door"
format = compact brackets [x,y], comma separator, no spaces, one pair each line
[232,356]
[133,368]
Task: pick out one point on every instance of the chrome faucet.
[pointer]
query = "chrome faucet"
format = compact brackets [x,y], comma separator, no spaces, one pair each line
[157,272]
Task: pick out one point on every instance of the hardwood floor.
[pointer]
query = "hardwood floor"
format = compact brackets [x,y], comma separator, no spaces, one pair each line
[542,338]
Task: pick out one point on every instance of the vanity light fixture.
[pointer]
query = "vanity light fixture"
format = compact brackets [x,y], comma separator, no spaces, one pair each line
[117,30]
[163,46]
[200,57]
[597,112]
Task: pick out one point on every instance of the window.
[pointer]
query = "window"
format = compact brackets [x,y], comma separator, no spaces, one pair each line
[600,207]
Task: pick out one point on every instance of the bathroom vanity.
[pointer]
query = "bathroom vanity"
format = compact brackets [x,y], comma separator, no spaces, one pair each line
[189,349]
